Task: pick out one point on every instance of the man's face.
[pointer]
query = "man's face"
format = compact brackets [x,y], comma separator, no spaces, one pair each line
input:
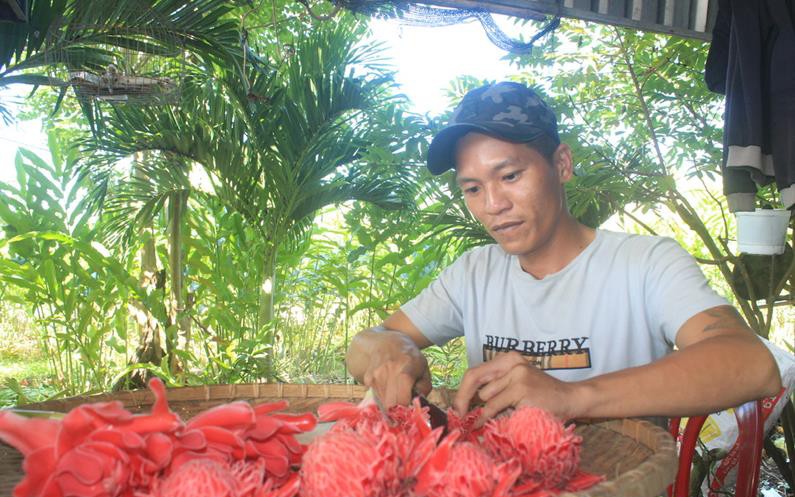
[512,190]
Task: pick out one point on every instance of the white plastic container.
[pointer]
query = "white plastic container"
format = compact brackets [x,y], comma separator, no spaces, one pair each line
[763,231]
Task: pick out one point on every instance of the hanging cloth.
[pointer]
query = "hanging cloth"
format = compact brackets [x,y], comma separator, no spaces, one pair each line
[752,61]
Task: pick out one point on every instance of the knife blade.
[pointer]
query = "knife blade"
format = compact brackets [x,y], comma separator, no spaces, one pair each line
[370,397]
[321,428]
[307,437]
[438,417]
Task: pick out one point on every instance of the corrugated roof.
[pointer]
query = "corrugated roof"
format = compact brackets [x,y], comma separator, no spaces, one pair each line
[688,18]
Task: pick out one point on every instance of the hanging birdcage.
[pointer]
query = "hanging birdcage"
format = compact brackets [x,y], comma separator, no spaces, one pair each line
[130,58]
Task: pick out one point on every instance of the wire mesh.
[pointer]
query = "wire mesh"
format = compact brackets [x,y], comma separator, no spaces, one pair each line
[414,14]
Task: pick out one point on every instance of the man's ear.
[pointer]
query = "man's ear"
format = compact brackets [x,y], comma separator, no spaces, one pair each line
[563,162]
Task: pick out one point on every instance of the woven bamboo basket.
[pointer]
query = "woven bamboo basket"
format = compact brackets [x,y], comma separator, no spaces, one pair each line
[637,458]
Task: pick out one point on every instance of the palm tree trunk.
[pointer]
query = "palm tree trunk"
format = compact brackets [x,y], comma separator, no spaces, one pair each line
[149,348]
[265,314]
[177,206]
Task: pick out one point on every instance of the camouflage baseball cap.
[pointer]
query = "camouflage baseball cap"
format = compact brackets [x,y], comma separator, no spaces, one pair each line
[506,110]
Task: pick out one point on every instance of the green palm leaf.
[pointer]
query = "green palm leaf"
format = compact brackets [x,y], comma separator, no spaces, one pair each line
[78,35]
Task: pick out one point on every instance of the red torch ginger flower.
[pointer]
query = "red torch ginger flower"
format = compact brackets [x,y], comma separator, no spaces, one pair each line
[402,438]
[198,478]
[342,464]
[93,469]
[103,450]
[549,452]
[27,434]
[470,473]
[462,469]
[412,420]
[466,424]
[204,477]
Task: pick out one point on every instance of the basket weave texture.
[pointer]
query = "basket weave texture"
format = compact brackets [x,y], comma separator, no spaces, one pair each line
[637,458]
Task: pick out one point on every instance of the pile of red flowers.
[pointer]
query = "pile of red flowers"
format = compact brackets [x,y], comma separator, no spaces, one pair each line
[239,450]
[528,453]
[103,450]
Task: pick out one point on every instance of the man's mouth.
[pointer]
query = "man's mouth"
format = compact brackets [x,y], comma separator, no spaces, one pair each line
[505,227]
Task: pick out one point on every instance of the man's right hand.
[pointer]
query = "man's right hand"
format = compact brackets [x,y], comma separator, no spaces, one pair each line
[390,361]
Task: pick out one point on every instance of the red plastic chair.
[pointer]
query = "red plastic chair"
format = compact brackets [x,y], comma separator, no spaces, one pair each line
[749,440]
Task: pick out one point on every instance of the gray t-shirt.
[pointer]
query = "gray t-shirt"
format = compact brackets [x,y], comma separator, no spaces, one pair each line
[618,304]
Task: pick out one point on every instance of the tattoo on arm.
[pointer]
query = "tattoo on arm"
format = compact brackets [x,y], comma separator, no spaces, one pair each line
[725,318]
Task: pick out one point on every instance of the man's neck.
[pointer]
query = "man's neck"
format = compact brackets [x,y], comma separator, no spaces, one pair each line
[567,242]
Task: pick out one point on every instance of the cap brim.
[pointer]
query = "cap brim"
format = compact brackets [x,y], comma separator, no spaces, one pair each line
[441,153]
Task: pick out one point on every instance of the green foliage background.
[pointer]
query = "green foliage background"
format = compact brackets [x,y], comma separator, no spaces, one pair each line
[284,204]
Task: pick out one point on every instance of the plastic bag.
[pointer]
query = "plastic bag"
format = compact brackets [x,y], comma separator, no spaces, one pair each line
[719,433]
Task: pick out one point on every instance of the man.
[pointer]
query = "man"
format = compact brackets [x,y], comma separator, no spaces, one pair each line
[578,321]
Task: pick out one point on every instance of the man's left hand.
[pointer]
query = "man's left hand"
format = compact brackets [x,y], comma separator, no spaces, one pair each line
[509,381]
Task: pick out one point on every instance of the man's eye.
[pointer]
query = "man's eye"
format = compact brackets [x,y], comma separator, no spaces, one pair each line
[511,176]
[471,190]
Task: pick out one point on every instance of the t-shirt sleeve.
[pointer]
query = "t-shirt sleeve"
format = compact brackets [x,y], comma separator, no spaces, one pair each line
[437,310]
[676,289]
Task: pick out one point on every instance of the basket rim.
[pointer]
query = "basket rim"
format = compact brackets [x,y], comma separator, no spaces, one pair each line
[243,391]
[652,476]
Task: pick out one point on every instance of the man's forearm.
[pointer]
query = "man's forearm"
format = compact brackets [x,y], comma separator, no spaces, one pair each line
[708,376]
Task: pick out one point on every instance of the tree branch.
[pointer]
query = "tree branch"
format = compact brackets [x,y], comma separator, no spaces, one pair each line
[642,100]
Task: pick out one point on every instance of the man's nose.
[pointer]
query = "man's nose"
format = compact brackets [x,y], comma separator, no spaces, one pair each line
[496,201]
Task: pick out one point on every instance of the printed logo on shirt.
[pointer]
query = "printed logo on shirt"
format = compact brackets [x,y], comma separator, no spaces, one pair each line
[563,353]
